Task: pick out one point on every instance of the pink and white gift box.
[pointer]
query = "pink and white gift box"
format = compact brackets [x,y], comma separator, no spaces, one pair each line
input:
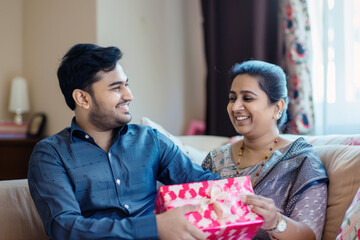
[221,214]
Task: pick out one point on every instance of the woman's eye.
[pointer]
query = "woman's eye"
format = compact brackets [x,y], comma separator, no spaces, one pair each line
[248,99]
[232,99]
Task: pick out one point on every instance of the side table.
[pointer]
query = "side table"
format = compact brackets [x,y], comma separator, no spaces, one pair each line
[14,157]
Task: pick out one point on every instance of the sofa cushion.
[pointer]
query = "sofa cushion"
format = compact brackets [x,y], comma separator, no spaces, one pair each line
[351,223]
[19,217]
[342,164]
[320,140]
[334,139]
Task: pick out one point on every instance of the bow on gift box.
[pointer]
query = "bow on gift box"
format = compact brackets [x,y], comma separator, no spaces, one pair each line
[221,200]
[220,214]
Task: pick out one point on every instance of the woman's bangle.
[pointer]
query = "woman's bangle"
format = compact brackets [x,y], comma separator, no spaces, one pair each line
[277,223]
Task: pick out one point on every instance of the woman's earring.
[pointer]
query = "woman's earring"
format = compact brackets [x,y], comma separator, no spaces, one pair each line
[278,115]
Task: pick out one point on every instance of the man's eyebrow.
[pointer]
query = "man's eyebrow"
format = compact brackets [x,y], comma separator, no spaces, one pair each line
[118,83]
[243,92]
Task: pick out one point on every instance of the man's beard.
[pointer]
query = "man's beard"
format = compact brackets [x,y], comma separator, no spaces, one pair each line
[106,119]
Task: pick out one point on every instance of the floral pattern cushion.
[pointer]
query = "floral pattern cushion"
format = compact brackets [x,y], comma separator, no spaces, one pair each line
[350,227]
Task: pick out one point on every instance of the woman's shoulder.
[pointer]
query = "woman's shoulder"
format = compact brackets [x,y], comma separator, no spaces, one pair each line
[299,148]
[220,150]
[297,144]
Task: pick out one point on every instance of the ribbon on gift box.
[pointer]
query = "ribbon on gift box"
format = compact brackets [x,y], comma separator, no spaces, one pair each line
[221,201]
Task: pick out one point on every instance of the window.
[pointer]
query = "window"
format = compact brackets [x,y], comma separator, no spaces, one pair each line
[336,65]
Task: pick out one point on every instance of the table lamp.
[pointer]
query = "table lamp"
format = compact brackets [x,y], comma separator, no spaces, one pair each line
[19,99]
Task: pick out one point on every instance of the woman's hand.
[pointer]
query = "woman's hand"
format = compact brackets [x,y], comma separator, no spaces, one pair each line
[265,207]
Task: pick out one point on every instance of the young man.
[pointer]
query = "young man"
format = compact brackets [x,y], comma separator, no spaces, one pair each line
[97,178]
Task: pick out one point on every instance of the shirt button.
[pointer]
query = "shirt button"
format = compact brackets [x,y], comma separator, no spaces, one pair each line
[109,154]
[87,136]
[126,206]
[118,181]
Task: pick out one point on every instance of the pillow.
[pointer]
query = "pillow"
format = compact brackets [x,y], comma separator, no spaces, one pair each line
[350,227]
[342,164]
[204,143]
[147,122]
[195,155]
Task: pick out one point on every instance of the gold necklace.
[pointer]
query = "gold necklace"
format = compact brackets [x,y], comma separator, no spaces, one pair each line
[267,156]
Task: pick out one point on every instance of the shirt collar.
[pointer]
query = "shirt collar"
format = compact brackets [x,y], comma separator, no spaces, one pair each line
[77,132]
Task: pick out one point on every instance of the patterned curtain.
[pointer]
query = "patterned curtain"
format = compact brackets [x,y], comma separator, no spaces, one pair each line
[295,23]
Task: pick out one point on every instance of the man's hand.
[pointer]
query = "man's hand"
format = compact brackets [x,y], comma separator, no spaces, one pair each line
[172,224]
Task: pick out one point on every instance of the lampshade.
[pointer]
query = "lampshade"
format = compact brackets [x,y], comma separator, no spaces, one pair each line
[19,98]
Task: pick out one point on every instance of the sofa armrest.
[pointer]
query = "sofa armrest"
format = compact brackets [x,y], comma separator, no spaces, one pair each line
[19,218]
[342,164]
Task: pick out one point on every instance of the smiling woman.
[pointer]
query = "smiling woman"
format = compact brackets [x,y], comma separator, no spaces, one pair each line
[257,109]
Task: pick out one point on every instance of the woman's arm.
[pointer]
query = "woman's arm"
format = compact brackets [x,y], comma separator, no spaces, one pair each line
[306,221]
[294,230]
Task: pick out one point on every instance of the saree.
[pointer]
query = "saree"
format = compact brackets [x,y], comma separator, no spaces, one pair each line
[290,171]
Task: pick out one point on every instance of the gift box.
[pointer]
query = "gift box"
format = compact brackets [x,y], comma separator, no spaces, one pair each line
[221,215]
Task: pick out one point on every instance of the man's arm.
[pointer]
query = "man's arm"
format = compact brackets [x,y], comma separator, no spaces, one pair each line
[176,167]
[54,197]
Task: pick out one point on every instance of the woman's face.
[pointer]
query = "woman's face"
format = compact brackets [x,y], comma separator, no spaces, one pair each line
[249,109]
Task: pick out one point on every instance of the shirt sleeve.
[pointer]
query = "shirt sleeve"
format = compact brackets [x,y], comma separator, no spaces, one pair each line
[54,197]
[310,208]
[175,167]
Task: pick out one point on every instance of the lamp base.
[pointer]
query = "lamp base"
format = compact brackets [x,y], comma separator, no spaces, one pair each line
[18,119]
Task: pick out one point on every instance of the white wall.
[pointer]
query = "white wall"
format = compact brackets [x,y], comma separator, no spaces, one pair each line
[50,29]
[163,56]
[10,50]
[161,41]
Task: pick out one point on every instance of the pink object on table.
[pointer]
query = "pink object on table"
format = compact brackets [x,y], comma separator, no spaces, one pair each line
[196,127]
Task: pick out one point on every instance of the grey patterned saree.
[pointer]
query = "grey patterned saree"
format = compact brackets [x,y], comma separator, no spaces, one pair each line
[293,173]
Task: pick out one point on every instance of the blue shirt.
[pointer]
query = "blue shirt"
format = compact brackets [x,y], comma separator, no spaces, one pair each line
[83,192]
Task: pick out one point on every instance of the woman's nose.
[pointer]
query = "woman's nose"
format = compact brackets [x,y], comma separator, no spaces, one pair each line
[238,106]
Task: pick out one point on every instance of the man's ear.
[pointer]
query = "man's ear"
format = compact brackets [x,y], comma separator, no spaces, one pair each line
[81,98]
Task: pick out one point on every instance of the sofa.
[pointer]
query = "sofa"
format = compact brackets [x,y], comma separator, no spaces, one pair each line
[340,155]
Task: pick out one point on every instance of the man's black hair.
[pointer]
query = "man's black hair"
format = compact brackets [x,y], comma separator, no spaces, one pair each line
[80,65]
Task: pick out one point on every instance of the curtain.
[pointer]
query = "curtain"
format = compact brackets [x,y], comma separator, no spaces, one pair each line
[296,29]
[235,31]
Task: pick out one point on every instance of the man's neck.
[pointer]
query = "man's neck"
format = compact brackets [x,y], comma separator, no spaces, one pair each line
[103,138]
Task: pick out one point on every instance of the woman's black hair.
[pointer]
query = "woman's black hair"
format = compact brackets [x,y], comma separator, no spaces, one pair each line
[271,79]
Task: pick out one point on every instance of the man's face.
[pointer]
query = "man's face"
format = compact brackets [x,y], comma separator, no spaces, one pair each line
[110,97]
